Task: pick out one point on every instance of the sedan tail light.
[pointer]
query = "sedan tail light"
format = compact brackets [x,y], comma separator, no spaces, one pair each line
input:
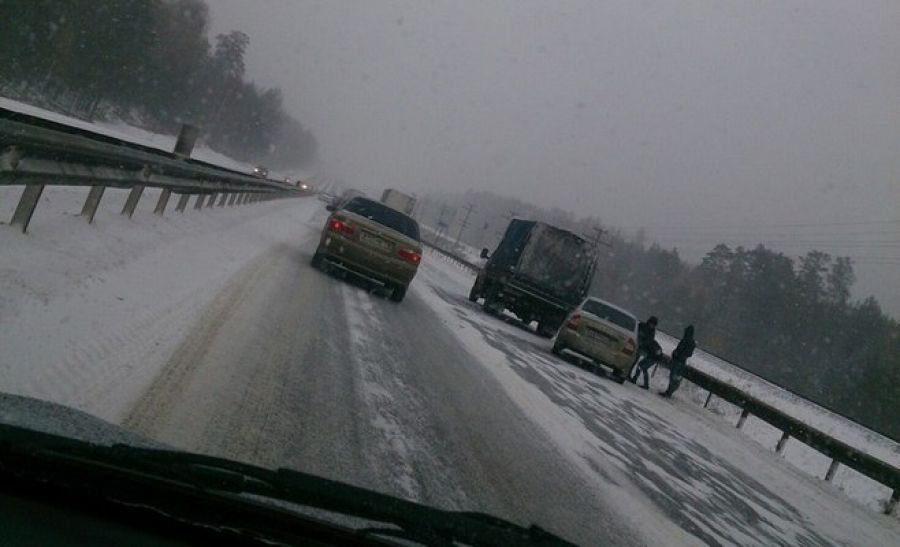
[572,323]
[338,225]
[409,254]
[629,347]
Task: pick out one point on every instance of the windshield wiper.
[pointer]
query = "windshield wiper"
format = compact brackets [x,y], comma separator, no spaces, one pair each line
[211,478]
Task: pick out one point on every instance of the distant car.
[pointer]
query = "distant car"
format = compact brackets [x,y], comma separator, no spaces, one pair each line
[373,241]
[260,171]
[602,332]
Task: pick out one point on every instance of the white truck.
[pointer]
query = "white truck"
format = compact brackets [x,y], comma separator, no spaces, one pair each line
[395,199]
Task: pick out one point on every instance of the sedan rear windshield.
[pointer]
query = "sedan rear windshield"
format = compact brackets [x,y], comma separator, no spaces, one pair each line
[610,314]
[383,214]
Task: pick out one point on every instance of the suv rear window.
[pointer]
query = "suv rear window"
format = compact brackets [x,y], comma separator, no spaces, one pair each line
[610,314]
[382,214]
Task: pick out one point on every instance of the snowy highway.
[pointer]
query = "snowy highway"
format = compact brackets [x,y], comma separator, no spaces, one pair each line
[272,362]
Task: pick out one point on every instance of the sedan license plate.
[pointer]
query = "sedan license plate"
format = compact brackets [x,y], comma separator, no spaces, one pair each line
[375,241]
[601,336]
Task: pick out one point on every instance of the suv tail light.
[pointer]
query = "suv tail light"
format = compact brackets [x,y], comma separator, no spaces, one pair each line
[338,225]
[409,254]
[572,323]
[629,347]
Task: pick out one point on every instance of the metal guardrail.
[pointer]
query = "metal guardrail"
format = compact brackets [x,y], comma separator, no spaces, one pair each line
[36,153]
[839,451]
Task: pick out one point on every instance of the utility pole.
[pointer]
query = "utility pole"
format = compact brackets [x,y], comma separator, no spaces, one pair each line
[598,233]
[465,223]
[440,226]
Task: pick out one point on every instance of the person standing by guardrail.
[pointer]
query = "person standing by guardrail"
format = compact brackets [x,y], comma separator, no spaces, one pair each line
[680,356]
[652,354]
[648,348]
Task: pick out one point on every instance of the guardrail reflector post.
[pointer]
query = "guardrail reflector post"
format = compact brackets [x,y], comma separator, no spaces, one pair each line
[133,198]
[892,503]
[92,203]
[25,209]
[222,200]
[186,139]
[708,398]
[231,200]
[832,469]
[779,448]
[743,418]
[199,203]
[163,201]
[182,202]
[212,200]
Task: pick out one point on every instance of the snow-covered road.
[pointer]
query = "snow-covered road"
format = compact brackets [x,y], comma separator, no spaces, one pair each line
[253,355]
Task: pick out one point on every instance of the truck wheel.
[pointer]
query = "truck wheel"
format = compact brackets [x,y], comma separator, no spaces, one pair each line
[316,261]
[619,377]
[398,293]
[491,304]
[546,329]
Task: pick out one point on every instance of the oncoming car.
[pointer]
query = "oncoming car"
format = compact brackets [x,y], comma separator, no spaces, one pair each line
[602,332]
[372,241]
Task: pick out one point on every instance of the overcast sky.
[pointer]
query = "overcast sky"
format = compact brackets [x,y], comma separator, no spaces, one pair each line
[774,122]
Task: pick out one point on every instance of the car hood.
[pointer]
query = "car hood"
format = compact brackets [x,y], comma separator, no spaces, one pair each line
[57,419]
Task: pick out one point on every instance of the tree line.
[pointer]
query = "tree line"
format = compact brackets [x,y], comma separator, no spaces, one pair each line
[149,63]
[788,320]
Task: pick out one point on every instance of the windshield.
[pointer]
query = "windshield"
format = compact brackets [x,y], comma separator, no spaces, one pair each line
[382,214]
[180,256]
[607,313]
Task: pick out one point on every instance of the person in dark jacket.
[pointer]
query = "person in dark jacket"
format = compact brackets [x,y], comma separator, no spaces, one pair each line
[680,356]
[647,334]
[645,345]
[652,354]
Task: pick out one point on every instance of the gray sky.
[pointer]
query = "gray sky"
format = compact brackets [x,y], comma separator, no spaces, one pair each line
[745,121]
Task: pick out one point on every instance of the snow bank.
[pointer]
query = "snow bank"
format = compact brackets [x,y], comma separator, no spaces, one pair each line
[90,312]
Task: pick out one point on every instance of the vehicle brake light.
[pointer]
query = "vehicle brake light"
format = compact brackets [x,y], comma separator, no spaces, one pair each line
[409,254]
[572,323]
[337,225]
[629,347]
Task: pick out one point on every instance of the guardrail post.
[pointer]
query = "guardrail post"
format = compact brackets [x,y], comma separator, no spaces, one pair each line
[182,202]
[186,138]
[212,200]
[92,203]
[231,199]
[163,201]
[832,469]
[708,398]
[892,503]
[223,199]
[25,209]
[743,418]
[199,203]
[133,198]
[779,448]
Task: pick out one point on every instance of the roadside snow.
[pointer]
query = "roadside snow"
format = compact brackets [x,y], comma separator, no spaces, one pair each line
[90,312]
